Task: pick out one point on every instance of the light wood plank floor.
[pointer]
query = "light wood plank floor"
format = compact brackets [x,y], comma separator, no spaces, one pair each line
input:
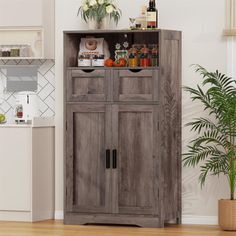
[57,228]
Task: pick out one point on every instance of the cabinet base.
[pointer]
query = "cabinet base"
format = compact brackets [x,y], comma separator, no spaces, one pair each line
[143,221]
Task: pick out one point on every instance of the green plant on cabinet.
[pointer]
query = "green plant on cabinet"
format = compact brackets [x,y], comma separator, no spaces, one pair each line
[98,9]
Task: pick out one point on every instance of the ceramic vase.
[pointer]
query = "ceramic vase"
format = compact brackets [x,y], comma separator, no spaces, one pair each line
[102,25]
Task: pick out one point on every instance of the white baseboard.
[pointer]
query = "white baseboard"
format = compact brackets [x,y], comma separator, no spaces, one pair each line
[199,220]
[186,219]
[59,215]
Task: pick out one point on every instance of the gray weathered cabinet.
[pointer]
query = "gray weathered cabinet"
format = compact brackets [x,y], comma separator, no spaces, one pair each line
[123,135]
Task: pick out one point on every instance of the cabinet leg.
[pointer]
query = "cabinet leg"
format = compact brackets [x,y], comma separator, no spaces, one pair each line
[178,220]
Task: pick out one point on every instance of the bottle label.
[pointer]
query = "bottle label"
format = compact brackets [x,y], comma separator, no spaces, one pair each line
[151,19]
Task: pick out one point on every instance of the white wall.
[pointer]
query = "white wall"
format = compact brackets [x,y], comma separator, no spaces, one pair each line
[202,23]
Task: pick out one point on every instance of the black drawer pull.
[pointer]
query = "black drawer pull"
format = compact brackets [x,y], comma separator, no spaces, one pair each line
[88,70]
[135,70]
[108,159]
[114,159]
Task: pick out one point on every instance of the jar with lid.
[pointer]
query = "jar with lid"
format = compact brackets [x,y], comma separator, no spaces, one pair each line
[15,51]
[144,57]
[133,57]
[154,55]
[6,52]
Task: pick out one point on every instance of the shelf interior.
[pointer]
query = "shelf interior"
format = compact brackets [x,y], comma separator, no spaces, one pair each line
[72,41]
[29,41]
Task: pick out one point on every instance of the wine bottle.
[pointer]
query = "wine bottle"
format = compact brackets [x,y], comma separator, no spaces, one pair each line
[152,15]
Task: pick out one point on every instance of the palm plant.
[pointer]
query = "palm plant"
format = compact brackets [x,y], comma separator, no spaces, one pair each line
[214,148]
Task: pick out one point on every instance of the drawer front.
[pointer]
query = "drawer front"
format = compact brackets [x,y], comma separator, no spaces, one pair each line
[88,85]
[137,85]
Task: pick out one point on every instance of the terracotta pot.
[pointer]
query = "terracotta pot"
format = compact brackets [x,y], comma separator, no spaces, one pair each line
[227,214]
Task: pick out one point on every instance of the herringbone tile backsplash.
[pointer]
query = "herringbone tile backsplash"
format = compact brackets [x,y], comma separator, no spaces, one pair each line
[45,92]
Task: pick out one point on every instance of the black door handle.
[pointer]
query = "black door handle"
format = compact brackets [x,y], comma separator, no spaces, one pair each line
[114,159]
[108,159]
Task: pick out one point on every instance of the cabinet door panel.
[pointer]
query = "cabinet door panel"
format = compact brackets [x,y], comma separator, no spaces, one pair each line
[15,169]
[88,85]
[87,176]
[134,138]
[135,85]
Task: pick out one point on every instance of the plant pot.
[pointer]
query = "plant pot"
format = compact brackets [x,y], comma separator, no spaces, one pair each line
[104,24]
[227,214]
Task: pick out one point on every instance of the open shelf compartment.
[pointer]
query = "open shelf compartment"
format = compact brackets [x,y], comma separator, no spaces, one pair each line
[21,43]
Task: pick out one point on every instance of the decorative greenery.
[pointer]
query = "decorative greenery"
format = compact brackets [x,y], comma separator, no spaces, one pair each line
[98,9]
[214,148]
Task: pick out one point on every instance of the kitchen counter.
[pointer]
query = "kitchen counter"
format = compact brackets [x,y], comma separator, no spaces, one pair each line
[27,171]
[37,122]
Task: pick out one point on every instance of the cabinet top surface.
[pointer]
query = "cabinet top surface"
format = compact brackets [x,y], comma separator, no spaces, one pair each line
[115,31]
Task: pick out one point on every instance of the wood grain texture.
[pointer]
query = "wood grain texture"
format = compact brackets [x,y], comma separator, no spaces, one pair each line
[170,124]
[88,86]
[133,86]
[88,185]
[134,139]
[143,123]
[55,228]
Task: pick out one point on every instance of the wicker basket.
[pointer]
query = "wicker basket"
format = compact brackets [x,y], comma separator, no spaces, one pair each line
[227,214]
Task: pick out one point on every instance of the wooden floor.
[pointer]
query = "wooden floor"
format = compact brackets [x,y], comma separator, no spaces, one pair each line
[56,228]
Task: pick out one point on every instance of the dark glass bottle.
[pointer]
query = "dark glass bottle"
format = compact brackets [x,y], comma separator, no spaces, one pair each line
[152,15]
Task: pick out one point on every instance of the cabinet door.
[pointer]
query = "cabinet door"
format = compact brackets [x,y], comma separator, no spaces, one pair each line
[135,85]
[15,169]
[88,85]
[135,182]
[87,178]
[20,13]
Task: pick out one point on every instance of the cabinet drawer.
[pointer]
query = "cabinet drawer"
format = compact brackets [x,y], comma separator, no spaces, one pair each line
[135,85]
[88,85]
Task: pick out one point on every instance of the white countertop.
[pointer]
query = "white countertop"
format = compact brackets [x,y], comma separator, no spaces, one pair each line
[37,122]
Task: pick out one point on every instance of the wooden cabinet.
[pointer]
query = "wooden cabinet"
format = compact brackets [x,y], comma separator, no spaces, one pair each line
[88,182]
[123,135]
[88,86]
[135,85]
[135,184]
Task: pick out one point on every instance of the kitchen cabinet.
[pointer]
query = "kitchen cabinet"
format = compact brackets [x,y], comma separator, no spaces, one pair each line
[28,24]
[26,172]
[20,13]
[123,134]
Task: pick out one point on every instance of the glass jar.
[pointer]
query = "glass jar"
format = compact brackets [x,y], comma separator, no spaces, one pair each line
[133,57]
[154,54]
[133,60]
[145,58]
[15,52]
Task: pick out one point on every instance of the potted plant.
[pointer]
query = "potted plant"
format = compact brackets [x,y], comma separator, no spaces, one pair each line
[214,148]
[95,12]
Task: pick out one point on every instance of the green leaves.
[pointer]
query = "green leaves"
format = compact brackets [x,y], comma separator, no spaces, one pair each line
[215,146]
[99,10]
